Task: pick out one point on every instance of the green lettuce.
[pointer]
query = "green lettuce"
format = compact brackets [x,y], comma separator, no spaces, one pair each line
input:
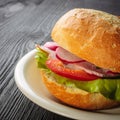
[110,88]
[41,57]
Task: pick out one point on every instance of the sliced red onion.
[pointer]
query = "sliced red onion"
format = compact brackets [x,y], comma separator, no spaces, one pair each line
[66,56]
[51,45]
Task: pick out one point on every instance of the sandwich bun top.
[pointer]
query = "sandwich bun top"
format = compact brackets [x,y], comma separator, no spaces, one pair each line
[92,35]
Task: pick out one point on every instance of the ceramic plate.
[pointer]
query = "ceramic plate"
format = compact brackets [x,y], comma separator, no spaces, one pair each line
[29,82]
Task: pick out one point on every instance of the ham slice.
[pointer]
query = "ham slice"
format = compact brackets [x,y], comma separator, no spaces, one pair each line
[92,69]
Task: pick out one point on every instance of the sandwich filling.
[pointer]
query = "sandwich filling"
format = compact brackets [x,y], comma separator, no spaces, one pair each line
[72,71]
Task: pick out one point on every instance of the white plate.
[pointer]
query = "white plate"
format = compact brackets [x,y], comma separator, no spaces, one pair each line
[29,82]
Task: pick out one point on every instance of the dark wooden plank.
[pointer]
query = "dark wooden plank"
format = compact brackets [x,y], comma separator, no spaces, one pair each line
[20,30]
[23,23]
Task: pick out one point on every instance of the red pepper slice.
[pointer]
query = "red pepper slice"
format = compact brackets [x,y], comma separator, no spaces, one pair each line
[58,67]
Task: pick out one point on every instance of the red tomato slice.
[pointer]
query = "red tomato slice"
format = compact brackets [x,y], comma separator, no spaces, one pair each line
[58,67]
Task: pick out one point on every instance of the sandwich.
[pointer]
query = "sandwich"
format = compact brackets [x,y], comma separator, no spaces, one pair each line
[81,67]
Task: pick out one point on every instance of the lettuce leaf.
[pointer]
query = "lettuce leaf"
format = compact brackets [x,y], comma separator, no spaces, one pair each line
[41,57]
[110,88]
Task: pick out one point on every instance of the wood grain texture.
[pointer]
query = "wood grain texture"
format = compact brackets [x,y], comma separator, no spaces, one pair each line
[23,23]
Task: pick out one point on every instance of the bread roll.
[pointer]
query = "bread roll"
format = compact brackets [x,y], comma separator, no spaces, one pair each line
[92,35]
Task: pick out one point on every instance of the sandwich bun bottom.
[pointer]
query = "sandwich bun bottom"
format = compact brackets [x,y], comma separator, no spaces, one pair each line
[76,97]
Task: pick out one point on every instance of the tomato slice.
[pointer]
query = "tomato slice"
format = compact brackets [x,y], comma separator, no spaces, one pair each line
[59,68]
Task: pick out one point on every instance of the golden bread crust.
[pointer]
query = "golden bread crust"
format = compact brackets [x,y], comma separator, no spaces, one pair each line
[92,35]
[76,97]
